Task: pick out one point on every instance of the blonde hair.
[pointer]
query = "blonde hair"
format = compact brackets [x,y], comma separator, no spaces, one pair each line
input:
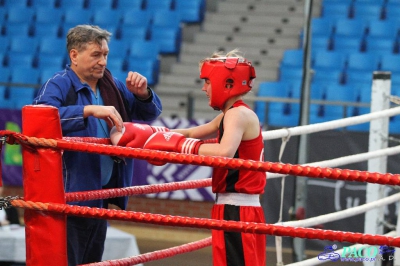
[233,53]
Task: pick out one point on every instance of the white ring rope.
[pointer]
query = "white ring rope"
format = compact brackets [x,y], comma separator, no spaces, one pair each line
[316,261]
[334,124]
[355,158]
[330,217]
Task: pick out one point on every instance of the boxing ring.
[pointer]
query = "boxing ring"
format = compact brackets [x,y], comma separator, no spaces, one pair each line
[46,207]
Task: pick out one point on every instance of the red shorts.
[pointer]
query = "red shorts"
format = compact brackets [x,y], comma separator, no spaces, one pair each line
[235,248]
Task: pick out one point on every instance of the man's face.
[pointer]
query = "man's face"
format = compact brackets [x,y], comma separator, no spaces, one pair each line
[90,63]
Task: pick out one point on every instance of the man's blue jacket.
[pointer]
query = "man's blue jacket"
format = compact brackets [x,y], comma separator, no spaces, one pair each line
[82,171]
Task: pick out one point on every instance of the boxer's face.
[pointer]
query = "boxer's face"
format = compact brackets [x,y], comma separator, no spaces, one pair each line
[207,89]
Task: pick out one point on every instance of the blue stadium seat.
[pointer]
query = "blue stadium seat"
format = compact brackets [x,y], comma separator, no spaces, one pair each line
[4,44]
[2,94]
[17,14]
[24,74]
[52,45]
[5,73]
[339,9]
[322,26]
[144,49]
[169,38]
[395,81]
[340,93]
[292,57]
[21,102]
[320,43]
[43,3]
[191,11]
[55,62]
[283,114]
[147,67]
[364,61]
[17,59]
[394,125]
[137,17]
[158,4]
[335,60]
[107,18]
[317,90]
[67,4]
[295,89]
[6,104]
[131,33]
[120,75]
[347,44]
[166,18]
[367,10]
[353,76]
[350,27]
[391,63]
[40,30]
[116,63]
[270,89]
[118,48]
[381,2]
[23,44]
[23,95]
[46,73]
[3,15]
[74,16]
[323,113]
[391,10]
[99,4]
[331,75]
[290,73]
[15,3]
[16,29]
[383,28]
[45,14]
[129,4]
[373,43]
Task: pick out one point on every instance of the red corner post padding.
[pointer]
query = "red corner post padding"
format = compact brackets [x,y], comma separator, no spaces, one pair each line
[42,177]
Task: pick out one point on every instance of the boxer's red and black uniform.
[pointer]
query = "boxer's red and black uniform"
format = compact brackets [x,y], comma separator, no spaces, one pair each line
[235,248]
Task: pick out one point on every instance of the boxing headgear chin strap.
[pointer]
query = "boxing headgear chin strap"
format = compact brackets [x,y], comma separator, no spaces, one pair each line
[229,77]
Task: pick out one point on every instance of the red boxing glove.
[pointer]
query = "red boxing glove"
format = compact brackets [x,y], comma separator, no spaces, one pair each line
[173,142]
[134,135]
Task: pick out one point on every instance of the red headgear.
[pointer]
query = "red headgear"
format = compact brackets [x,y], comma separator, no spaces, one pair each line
[229,76]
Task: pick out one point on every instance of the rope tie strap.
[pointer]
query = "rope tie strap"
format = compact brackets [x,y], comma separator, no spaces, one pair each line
[5,202]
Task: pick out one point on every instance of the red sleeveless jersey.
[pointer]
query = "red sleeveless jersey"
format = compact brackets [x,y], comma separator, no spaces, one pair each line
[241,181]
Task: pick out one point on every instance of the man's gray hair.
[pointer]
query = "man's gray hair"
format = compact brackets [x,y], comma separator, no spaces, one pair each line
[79,36]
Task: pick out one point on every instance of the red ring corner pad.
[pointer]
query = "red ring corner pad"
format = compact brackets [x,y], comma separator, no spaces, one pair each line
[42,175]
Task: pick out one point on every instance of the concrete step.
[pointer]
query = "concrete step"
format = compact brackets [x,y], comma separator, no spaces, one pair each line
[266,8]
[205,50]
[239,40]
[246,29]
[254,19]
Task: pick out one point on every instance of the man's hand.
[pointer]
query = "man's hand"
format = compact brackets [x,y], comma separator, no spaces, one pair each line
[137,84]
[107,113]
